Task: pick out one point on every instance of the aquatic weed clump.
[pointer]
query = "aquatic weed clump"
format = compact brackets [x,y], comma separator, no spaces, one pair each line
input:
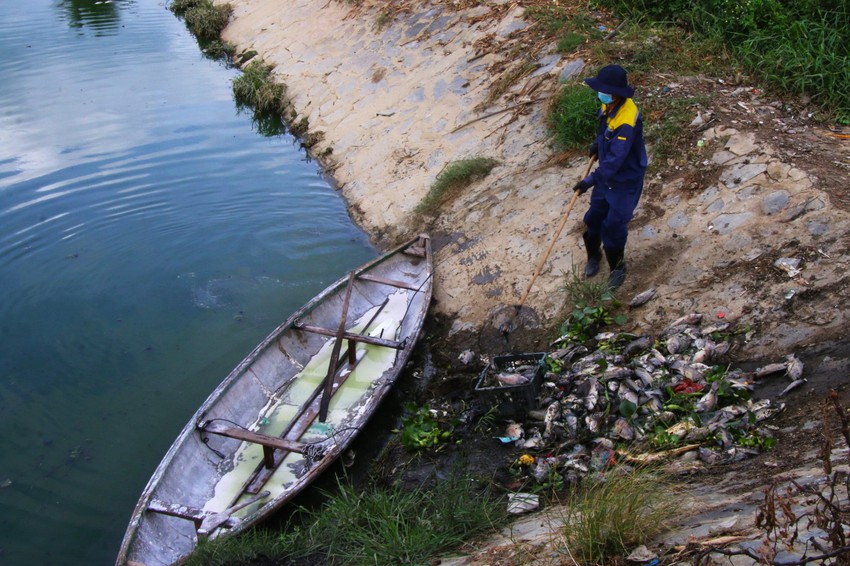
[255,88]
[203,18]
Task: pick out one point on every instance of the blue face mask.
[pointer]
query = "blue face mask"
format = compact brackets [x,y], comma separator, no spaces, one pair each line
[604,98]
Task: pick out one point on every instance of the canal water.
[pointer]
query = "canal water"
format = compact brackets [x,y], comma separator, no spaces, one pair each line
[149,238]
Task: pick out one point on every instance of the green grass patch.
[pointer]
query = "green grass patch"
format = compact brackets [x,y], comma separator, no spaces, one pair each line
[390,525]
[570,41]
[801,48]
[203,18]
[572,118]
[454,178]
[610,518]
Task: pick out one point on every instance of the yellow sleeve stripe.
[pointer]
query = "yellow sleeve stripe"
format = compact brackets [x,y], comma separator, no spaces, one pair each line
[621,138]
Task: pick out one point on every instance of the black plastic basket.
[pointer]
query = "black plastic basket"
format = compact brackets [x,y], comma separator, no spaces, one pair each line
[512,400]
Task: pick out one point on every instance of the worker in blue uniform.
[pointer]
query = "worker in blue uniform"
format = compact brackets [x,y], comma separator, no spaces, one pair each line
[618,179]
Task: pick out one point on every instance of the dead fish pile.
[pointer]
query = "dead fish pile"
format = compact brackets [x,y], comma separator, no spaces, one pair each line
[659,393]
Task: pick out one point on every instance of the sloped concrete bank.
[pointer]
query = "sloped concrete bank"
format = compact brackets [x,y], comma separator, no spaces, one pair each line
[396,104]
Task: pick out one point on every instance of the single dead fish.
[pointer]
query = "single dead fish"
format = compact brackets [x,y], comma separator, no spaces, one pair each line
[511,379]
[627,393]
[636,346]
[623,429]
[692,318]
[616,372]
[794,367]
[594,422]
[716,327]
[642,298]
[769,369]
[678,343]
[550,418]
[645,376]
[592,395]
[793,385]
[701,356]
[571,424]
[708,401]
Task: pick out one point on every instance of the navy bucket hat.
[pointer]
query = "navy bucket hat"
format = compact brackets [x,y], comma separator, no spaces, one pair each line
[611,80]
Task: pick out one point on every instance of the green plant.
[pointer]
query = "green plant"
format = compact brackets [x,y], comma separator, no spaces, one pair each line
[662,440]
[572,117]
[421,431]
[487,421]
[255,88]
[375,525]
[456,176]
[206,20]
[180,7]
[608,518]
[580,290]
[796,47]
[589,313]
[570,41]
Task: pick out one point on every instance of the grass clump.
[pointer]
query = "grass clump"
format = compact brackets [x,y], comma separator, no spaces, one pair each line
[572,118]
[255,88]
[611,517]
[203,18]
[455,177]
[390,525]
[592,302]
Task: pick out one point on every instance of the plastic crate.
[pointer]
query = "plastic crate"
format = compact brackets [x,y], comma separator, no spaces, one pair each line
[512,400]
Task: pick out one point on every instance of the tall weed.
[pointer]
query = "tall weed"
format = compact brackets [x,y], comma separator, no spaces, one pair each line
[610,517]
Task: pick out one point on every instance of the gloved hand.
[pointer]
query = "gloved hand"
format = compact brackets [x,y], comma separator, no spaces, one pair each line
[582,186]
[593,150]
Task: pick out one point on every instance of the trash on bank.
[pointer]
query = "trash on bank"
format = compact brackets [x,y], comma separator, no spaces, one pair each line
[519,503]
[789,265]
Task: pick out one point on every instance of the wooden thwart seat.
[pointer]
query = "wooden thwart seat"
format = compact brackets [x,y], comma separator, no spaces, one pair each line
[373,340]
[205,521]
[269,443]
[183,512]
[390,282]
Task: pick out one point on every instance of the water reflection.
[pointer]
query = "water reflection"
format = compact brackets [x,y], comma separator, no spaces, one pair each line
[102,16]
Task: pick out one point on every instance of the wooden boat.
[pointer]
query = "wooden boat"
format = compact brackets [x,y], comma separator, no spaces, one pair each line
[287,411]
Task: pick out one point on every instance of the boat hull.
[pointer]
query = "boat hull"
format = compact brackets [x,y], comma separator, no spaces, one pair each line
[275,423]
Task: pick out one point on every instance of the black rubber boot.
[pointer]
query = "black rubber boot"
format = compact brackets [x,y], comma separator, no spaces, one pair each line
[593,245]
[617,265]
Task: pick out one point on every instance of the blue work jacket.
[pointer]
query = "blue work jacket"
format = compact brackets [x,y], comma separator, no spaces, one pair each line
[622,152]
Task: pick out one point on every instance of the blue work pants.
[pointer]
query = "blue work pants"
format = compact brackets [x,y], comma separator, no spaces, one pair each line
[610,212]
